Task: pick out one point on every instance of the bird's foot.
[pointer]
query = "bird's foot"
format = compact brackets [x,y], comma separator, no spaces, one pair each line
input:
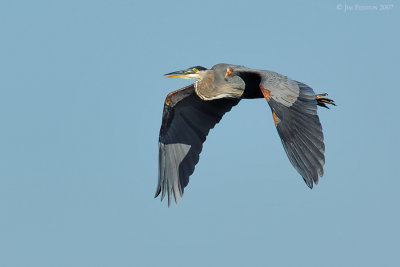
[322,100]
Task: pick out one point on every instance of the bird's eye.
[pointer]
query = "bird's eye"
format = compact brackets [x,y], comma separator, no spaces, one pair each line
[195,70]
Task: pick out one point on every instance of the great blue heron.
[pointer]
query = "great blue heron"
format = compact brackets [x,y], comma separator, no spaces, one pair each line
[189,114]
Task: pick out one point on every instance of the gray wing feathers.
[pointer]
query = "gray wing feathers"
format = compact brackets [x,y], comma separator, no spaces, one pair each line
[186,122]
[294,109]
[301,133]
[169,158]
[283,89]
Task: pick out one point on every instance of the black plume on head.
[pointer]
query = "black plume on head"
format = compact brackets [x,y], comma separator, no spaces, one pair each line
[199,68]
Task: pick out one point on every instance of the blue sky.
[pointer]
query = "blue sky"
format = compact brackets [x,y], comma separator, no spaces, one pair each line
[80,109]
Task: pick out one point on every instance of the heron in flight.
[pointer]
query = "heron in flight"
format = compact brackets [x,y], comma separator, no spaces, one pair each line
[189,114]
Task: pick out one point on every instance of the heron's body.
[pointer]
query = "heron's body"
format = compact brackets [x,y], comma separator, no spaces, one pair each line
[189,114]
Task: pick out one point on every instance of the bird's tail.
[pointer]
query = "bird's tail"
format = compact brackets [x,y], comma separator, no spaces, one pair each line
[322,100]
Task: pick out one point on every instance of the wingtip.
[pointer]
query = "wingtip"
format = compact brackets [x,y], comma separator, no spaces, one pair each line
[162,195]
[309,184]
[157,193]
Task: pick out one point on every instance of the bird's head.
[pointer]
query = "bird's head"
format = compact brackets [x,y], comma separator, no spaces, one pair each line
[190,73]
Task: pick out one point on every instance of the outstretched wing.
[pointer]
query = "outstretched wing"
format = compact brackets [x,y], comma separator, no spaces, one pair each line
[185,124]
[294,109]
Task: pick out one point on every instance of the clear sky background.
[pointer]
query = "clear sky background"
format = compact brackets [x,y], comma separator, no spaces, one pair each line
[81,96]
